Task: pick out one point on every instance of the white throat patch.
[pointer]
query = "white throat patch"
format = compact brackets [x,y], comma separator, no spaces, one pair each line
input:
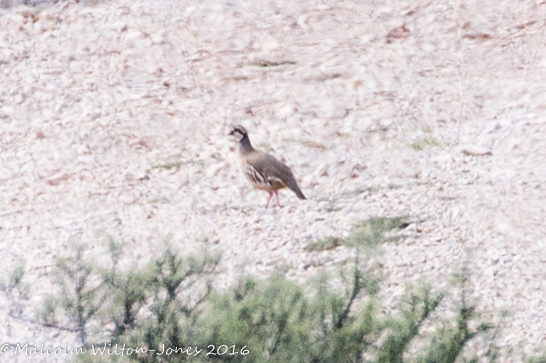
[238,135]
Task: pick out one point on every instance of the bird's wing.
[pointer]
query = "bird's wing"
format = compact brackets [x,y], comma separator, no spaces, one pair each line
[273,168]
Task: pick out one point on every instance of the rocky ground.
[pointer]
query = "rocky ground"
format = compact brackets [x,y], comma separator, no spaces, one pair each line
[113,121]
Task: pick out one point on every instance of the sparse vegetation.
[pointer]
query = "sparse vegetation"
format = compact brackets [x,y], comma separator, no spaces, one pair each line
[324,244]
[423,144]
[15,289]
[393,186]
[171,303]
[365,190]
[271,63]
[370,233]
[168,165]
[540,359]
[415,309]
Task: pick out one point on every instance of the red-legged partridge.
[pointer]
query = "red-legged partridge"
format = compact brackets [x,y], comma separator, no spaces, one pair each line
[263,171]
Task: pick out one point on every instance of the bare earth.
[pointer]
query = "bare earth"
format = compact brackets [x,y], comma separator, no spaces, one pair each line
[113,121]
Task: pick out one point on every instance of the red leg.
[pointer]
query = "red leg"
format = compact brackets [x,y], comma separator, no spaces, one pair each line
[277,195]
[268,199]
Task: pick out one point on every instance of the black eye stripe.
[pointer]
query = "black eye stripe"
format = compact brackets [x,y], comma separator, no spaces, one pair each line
[239,129]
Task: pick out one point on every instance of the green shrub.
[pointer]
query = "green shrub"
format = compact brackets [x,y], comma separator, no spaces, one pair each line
[170,303]
[279,322]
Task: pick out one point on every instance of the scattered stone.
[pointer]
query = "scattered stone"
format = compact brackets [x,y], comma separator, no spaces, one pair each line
[475,150]
[55,179]
[135,114]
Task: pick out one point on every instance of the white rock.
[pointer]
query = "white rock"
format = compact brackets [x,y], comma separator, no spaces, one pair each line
[157,39]
[133,34]
[269,44]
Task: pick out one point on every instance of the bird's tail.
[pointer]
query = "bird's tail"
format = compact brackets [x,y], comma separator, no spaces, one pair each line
[293,186]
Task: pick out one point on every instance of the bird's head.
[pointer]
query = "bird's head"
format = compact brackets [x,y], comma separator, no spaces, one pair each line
[238,132]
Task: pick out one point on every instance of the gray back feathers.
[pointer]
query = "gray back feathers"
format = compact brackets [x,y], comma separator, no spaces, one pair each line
[262,169]
[273,169]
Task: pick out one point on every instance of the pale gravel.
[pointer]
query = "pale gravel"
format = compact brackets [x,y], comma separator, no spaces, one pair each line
[95,97]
